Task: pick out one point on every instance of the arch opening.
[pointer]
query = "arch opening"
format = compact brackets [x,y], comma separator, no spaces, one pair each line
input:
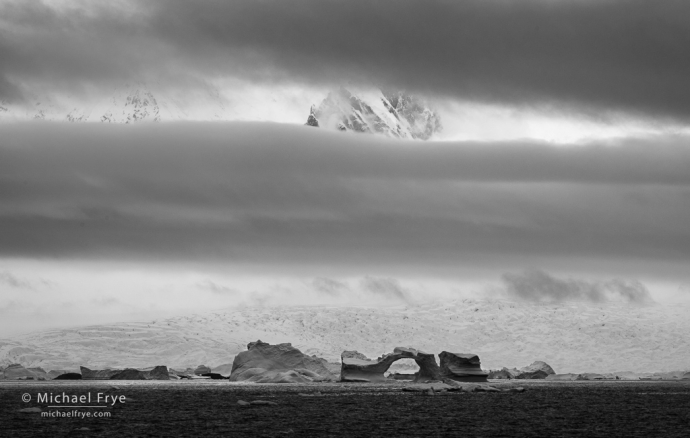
[403,369]
[358,368]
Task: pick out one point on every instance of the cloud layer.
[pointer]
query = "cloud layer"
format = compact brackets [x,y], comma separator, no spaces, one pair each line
[539,286]
[589,56]
[297,198]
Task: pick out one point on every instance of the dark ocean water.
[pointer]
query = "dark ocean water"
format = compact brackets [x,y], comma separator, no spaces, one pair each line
[209,408]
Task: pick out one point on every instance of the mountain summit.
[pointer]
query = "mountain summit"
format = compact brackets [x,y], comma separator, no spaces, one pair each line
[394,114]
[133,105]
[128,103]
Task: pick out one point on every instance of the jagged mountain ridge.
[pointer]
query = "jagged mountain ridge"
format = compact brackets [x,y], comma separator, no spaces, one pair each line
[394,114]
[129,103]
[571,337]
[139,105]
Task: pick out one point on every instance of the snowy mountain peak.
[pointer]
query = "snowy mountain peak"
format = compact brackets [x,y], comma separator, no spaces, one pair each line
[312,120]
[394,114]
[129,103]
[77,115]
[135,105]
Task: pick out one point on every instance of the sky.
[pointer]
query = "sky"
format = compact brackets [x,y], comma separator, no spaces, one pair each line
[549,69]
[561,172]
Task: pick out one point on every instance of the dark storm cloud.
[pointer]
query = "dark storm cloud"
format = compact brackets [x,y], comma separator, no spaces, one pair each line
[627,55]
[67,49]
[539,286]
[244,193]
